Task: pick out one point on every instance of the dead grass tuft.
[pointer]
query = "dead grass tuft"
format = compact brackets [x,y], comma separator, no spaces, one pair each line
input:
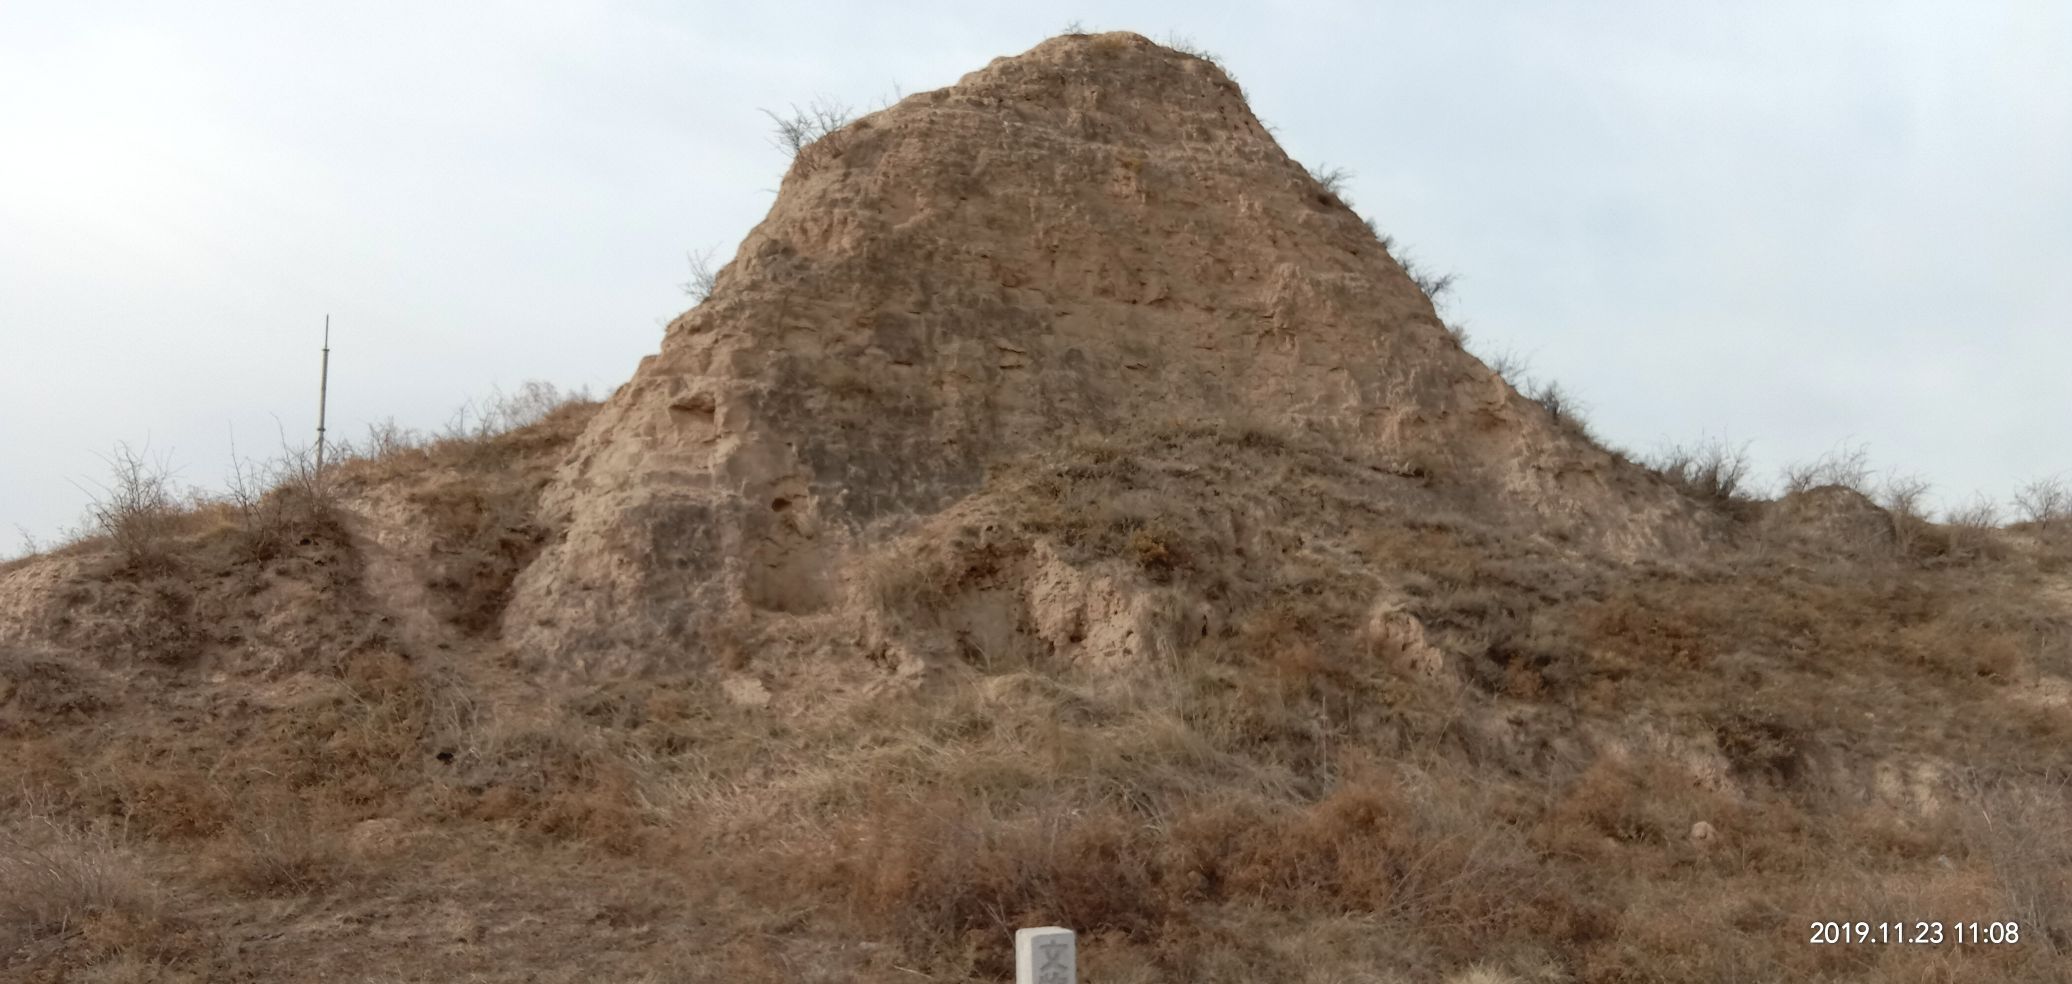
[2024,831]
[277,849]
[65,885]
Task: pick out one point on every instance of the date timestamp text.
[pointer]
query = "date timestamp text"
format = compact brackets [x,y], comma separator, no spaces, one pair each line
[1915,933]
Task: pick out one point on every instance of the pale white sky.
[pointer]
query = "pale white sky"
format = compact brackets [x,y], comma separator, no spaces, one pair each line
[1785,223]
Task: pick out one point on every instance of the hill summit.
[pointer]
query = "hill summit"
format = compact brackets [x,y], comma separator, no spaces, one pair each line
[1094,239]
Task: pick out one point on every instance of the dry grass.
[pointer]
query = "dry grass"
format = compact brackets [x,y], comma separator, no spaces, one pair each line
[60,889]
[2023,828]
[1271,794]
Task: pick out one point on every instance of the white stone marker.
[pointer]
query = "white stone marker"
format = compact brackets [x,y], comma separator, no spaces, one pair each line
[1045,955]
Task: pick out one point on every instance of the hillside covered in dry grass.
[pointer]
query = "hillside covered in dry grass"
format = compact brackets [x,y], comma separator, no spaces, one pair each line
[280,752]
[1011,550]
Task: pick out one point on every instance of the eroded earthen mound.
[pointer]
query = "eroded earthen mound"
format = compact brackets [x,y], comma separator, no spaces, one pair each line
[1267,637]
[1831,518]
[1095,237]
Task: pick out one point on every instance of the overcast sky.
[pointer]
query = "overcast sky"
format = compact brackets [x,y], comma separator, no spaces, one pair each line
[1789,224]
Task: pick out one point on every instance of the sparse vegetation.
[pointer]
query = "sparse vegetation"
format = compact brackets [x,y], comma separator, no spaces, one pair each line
[31,545]
[276,499]
[1905,497]
[1269,769]
[1711,470]
[1556,400]
[386,439]
[502,413]
[1186,46]
[1972,526]
[61,886]
[1436,287]
[1514,368]
[703,276]
[1333,180]
[1847,465]
[2022,825]
[2045,503]
[1458,331]
[137,508]
[804,134]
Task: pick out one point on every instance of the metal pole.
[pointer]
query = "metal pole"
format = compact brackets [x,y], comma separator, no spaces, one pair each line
[323,393]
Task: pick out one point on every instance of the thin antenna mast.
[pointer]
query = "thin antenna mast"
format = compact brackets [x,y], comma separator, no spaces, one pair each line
[323,393]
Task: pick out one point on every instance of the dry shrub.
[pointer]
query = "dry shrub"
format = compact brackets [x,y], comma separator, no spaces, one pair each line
[811,135]
[138,509]
[1973,529]
[387,439]
[1561,405]
[2045,503]
[1332,181]
[704,278]
[1711,471]
[1515,369]
[1847,465]
[279,502]
[1905,498]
